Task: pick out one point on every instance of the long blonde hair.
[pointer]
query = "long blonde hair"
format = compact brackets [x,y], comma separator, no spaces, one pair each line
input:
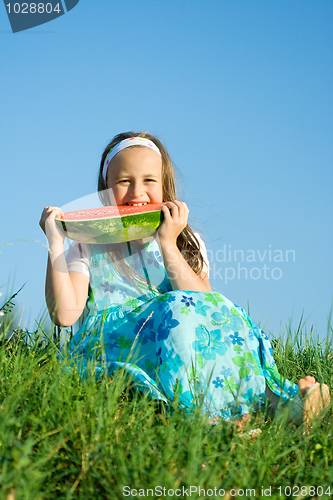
[187,243]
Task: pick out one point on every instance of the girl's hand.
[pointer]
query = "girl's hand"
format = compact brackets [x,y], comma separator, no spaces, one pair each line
[48,225]
[174,221]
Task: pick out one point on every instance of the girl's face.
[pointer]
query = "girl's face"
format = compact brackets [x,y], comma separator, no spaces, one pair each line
[135,176]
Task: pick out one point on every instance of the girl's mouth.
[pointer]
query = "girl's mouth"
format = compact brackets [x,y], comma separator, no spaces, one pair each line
[137,204]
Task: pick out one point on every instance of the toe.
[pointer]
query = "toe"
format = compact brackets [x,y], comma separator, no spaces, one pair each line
[242,423]
[303,386]
[310,380]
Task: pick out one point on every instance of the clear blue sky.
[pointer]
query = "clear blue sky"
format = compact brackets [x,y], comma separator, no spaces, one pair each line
[239,91]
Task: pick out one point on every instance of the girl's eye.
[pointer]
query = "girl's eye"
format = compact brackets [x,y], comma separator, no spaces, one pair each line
[127,180]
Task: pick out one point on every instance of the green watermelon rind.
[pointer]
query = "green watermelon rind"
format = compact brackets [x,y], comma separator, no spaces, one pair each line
[112,229]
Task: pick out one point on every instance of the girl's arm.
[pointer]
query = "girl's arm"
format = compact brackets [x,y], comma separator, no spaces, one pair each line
[181,275]
[66,293]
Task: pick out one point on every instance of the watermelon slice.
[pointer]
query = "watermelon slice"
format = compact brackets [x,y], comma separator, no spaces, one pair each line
[112,224]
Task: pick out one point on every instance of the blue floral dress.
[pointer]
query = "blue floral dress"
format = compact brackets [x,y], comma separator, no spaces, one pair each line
[196,345]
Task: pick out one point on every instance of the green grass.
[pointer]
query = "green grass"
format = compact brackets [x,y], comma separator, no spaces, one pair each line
[64,438]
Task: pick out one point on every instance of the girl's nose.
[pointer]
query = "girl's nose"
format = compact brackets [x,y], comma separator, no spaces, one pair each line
[137,190]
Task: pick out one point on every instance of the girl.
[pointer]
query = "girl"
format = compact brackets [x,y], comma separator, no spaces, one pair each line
[151,308]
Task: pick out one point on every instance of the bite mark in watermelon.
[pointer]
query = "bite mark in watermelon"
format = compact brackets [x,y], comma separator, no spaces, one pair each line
[112,224]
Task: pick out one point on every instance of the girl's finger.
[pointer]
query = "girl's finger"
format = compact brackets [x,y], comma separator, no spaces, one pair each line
[166,212]
[172,207]
[178,204]
[181,204]
[170,204]
[183,207]
[54,210]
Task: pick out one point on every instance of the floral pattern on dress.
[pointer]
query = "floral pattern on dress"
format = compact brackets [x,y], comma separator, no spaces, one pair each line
[196,346]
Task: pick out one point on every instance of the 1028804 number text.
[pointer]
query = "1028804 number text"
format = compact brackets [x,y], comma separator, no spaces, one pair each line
[305,491]
[32,8]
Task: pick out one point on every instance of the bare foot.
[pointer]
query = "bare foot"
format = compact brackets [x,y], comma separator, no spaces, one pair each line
[316,398]
[241,424]
[304,384]
[214,420]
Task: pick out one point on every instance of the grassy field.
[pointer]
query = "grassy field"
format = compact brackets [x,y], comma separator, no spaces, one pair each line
[64,438]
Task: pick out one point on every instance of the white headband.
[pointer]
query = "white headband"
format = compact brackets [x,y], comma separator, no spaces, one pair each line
[126,143]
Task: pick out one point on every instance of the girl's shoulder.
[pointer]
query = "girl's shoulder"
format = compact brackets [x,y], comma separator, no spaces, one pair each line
[203,251]
[78,258]
[200,239]
[201,244]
